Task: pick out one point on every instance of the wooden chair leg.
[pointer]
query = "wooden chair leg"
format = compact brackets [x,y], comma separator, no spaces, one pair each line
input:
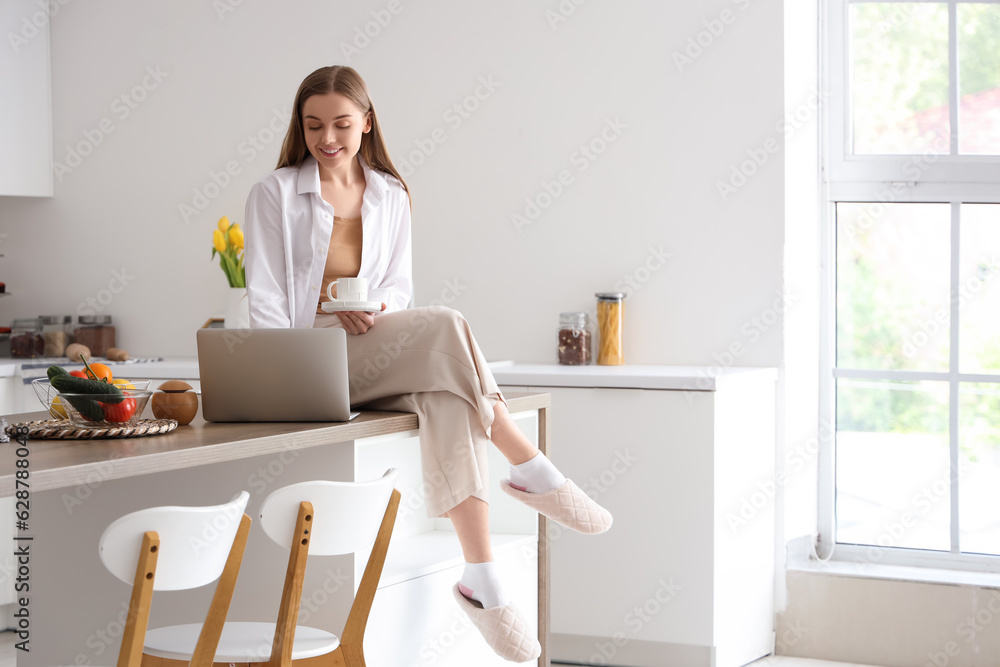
[352,642]
[544,562]
[134,636]
[355,657]
[291,593]
[332,659]
[211,631]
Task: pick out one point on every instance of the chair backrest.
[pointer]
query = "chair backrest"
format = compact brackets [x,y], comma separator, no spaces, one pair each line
[330,518]
[195,543]
[348,514]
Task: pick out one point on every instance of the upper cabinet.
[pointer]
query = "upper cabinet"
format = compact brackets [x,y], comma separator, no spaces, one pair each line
[25,99]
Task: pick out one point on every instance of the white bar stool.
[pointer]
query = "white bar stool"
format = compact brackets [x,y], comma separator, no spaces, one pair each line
[319,518]
[177,548]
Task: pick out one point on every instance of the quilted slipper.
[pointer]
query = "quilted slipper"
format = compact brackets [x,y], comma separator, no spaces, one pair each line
[503,628]
[567,505]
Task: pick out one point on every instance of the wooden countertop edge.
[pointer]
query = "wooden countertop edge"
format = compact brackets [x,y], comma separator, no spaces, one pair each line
[107,462]
[522,402]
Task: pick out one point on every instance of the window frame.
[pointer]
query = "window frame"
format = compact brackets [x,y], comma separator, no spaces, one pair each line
[915,178]
[926,176]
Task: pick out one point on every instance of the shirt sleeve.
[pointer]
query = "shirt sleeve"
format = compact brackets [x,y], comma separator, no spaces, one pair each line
[399,271]
[267,287]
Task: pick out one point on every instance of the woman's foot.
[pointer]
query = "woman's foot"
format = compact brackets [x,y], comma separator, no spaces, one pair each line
[536,475]
[481,582]
[539,484]
[567,505]
[503,628]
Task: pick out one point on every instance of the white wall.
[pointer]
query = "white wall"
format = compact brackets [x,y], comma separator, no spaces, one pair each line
[225,77]
[797,460]
[860,620]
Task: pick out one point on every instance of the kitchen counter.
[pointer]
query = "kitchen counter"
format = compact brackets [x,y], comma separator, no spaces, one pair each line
[77,487]
[59,464]
[682,378]
[152,367]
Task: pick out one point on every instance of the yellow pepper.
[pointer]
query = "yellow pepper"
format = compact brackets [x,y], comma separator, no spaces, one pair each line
[219,240]
[236,236]
[122,384]
[57,410]
[223,224]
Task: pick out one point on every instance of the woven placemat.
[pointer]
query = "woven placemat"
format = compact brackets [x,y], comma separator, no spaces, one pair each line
[64,429]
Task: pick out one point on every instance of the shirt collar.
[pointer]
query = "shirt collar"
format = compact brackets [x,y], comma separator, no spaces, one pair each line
[375,184]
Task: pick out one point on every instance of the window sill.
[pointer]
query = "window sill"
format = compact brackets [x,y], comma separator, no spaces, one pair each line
[800,560]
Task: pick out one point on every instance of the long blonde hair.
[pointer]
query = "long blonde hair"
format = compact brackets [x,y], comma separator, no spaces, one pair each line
[346,81]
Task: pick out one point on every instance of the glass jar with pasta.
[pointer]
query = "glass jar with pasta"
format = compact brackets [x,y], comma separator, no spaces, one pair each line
[610,321]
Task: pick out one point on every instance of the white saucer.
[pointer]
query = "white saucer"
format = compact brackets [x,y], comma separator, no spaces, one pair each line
[338,306]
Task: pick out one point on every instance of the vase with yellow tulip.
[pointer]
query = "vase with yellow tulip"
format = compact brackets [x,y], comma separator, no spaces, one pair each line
[227,242]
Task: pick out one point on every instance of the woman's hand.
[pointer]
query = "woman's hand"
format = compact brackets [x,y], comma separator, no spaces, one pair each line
[357,321]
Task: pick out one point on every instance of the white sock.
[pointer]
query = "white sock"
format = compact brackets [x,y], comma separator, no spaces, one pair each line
[536,475]
[481,581]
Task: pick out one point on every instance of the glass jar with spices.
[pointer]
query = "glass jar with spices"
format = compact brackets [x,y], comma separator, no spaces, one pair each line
[96,332]
[574,339]
[56,335]
[26,340]
[610,324]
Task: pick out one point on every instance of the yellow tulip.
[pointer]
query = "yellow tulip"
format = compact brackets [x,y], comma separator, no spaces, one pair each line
[236,236]
[219,240]
[223,224]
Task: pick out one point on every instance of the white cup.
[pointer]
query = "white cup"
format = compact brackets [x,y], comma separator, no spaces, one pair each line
[349,289]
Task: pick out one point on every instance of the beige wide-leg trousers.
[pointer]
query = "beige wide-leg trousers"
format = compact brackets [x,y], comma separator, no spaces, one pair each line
[426,361]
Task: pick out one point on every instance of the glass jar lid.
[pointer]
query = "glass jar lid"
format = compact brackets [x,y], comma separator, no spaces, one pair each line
[610,296]
[56,319]
[27,323]
[95,319]
[574,320]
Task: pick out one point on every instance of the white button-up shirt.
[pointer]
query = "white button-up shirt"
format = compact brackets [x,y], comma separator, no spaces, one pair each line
[287,235]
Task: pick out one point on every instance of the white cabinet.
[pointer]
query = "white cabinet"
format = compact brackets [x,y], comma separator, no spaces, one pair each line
[25,88]
[10,391]
[685,575]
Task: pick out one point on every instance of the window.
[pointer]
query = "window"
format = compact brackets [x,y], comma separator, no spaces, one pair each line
[911,352]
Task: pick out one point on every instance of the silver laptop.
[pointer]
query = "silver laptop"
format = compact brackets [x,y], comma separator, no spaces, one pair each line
[274,375]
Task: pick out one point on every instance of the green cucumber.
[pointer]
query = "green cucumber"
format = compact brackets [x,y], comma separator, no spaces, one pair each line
[69,384]
[87,407]
[55,370]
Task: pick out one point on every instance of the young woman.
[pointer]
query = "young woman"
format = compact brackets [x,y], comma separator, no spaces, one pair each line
[336,207]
